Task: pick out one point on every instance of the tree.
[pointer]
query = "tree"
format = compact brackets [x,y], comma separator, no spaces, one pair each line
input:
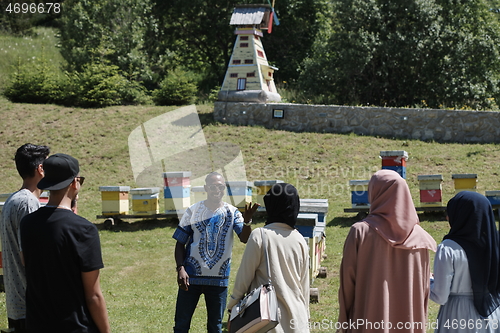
[117,31]
[197,34]
[404,53]
[291,41]
[468,54]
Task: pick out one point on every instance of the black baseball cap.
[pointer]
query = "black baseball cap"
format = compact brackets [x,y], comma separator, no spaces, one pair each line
[60,170]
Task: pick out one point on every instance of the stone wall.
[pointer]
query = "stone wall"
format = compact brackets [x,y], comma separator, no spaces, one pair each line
[421,124]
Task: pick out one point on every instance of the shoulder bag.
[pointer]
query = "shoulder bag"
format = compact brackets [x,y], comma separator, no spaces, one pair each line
[258,311]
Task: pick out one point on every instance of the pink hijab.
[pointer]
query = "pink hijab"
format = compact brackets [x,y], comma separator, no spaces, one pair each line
[392,213]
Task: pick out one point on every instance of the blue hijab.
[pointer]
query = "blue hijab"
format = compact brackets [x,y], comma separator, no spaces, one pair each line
[473,227]
[282,204]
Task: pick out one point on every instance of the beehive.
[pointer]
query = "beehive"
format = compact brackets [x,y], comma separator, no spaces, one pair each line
[115,199]
[262,187]
[316,206]
[465,182]
[314,233]
[430,190]
[177,178]
[198,193]
[359,193]
[177,191]
[493,197]
[145,201]
[44,198]
[239,193]
[394,160]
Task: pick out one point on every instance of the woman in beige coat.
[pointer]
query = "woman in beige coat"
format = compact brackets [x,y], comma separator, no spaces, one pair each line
[288,260]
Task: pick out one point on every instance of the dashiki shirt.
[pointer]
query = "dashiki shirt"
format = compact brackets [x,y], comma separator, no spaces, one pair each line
[208,236]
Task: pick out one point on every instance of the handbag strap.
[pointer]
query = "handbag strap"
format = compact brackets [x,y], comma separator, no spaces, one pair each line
[264,244]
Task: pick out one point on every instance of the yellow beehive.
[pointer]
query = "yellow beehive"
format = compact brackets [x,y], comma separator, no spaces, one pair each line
[263,186]
[114,199]
[465,182]
[145,201]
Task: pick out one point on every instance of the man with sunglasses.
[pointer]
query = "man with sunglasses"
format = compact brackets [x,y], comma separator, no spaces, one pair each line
[203,254]
[29,159]
[62,256]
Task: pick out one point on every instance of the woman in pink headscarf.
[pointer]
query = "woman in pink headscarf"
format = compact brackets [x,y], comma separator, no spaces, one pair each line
[385,270]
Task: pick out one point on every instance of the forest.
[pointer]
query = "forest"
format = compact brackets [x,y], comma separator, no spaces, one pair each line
[407,53]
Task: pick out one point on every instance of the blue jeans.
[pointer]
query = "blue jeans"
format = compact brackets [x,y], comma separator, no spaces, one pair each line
[215,300]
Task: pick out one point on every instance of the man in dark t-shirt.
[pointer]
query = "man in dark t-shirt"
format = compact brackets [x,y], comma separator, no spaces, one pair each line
[62,255]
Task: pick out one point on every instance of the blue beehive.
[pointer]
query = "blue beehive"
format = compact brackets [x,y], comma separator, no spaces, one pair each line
[399,169]
[359,193]
[493,197]
[307,224]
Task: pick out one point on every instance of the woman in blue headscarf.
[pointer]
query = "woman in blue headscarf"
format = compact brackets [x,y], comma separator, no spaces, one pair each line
[467,268]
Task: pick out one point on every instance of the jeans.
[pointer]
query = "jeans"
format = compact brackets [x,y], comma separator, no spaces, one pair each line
[215,300]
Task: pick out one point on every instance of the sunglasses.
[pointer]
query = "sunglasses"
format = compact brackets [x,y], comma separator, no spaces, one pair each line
[214,187]
[80,180]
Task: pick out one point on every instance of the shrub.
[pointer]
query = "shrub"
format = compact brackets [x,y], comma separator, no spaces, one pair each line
[100,85]
[177,88]
[135,94]
[34,83]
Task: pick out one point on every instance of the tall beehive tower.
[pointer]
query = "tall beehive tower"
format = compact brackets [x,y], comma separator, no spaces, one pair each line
[249,77]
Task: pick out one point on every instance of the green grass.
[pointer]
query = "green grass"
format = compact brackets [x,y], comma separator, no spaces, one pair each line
[139,278]
[15,51]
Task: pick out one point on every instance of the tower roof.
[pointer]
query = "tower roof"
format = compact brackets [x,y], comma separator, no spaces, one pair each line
[250,14]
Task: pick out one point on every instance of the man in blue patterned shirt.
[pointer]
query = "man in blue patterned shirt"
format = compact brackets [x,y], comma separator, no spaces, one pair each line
[203,254]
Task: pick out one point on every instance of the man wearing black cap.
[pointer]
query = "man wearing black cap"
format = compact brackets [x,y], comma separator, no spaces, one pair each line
[62,254]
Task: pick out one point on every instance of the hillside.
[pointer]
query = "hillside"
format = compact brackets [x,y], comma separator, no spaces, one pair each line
[138,280]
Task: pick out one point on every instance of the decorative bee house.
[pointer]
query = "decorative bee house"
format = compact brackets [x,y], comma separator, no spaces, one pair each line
[249,77]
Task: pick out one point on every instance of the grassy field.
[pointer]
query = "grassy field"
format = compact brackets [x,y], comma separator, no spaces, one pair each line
[139,277]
